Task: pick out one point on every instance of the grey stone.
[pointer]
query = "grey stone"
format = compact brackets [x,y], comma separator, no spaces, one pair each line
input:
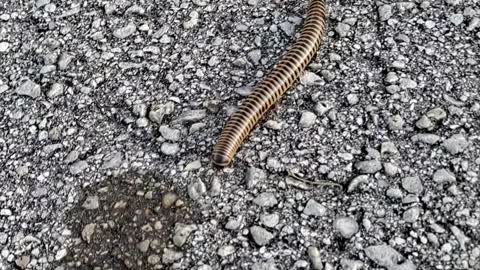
[288,28]
[424,123]
[412,184]
[153,259]
[196,190]
[368,166]
[411,215]
[194,165]
[270,220]
[234,223]
[253,176]
[4,46]
[310,78]
[78,167]
[28,88]
[383,255]
[455,144]
[395,122]
[436,114]
[385,12]
[265,199]
[315,258]
[169,149]
[267,265]
[255,56]
[407,83]
[91,203]
[170,256]
[461,237]
[55,90]
[347,226]
[442,176]
[308,119]
[182,232]
[170,134]
[388,148]
[313,208]
[342,29]
[426,138]
[64,61]
[125,31]
[88,232]
[456,19]
[394,193]
[191,116]
[348,264]
[159,111]
[260,235]
[193,21]
[322,107]
[225,251]
[23,262]
[112,160]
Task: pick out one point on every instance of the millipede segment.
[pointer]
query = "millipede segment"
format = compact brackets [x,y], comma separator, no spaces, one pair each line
[273,86]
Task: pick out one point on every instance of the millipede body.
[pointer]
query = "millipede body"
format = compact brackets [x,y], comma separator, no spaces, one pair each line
[272,87]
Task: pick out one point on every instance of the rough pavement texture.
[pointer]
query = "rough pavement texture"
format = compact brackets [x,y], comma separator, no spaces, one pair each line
[109,110]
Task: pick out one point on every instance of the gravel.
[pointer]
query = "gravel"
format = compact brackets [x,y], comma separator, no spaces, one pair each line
[109,111]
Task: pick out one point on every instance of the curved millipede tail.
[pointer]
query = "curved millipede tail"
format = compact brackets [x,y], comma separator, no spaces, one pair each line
[272,87]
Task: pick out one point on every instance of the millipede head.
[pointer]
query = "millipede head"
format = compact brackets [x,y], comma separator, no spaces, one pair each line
[220,160]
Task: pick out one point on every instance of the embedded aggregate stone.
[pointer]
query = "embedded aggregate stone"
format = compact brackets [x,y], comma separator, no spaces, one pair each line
[109,111]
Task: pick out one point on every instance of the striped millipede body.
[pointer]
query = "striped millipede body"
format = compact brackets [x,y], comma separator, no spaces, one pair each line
[273,86]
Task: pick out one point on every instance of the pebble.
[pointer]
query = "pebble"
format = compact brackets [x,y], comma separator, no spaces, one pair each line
[412,184]
[196,189]
[406,83]
[383,255]
[265,199]
[328,75]
[310,78]
[436,114]
[170,256]
[461,237]
[455,144]
[169,149]
[352,99]
[368,166]
[411,215]
[169,134]
[394,193]
[388,148]
[194,19]
[274,125]
[78,167]
[22,262]
[347,226]
[255,56]
[169,199]
[191,116]
[456,19]
[153,259]
[288,28]
[348,264]
[426,138]
[356,182]
[315,258]
[55,90]
[308,119]
[112,160]
[194,165]
[88,232]
[322,107]
[143,245]
[270,220]
[342,29]
[91,203]
[126,31]
[395,122]
[182,232]
[313,208]
[159,111]
[424,123]
[64,61]
[29,88]
[443,176]
[225,251]
[60,254]
[234,223]
[253,176]
[4,46]
[268,265]
[385,12]
[260,235]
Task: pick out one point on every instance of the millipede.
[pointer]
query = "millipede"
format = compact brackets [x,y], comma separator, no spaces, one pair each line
[269,90]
